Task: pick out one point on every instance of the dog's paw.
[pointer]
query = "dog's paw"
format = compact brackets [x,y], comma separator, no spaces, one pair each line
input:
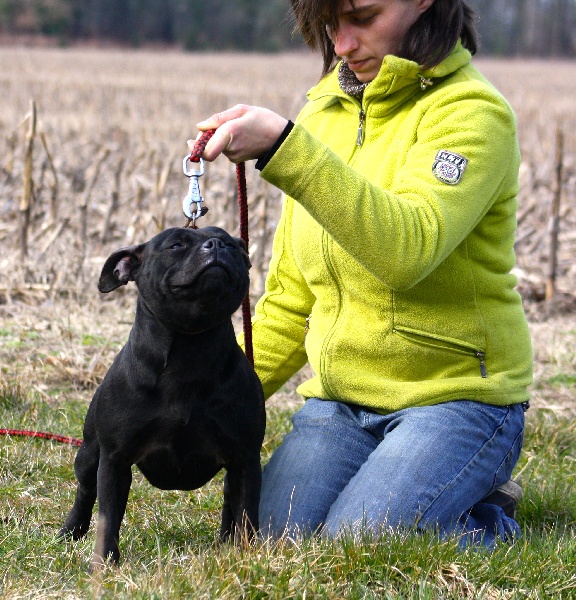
[75,533]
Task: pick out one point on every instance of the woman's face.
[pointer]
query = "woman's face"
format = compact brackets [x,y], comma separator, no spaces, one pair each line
[370,29]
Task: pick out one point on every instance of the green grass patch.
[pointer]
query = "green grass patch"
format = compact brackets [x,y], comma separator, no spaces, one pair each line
[562,379]
[89,339]
[168,539]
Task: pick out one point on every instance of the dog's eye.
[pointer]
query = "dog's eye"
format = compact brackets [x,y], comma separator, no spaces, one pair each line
[175,246]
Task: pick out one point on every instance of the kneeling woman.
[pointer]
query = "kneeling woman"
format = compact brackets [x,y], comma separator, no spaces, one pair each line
[391,276]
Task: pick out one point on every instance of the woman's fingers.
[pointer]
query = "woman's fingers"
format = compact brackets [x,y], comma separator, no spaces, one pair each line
[216,146]
[242,133]
[219,119]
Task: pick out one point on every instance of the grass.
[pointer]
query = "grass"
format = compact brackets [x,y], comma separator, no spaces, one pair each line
[168,539]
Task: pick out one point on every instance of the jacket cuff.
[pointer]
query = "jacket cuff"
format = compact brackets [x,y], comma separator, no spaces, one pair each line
[293,168]
[265,158]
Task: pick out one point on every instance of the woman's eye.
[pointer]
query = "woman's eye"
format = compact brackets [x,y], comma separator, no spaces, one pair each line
[363,20]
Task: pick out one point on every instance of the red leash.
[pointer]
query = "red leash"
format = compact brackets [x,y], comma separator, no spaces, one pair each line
[195,156]
[246,312]
[63,439]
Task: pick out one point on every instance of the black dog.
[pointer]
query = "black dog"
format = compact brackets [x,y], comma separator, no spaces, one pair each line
[181,400]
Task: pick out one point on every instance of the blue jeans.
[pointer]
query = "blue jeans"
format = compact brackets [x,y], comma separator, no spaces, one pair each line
[344,468]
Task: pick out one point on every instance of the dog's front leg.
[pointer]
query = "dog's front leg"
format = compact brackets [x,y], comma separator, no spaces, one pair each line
[241,500]
[114,480]
[227,523]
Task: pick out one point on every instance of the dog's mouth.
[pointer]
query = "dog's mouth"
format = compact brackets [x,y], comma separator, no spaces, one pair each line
[214,268]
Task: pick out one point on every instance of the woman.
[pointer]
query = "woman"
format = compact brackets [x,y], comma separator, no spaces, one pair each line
[390,275]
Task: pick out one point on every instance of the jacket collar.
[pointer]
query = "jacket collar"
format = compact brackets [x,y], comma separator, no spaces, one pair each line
[397,80]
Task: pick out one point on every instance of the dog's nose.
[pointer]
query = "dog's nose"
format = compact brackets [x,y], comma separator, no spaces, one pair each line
[213,244]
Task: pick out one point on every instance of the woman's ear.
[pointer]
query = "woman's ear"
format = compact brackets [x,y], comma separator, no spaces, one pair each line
[424,5]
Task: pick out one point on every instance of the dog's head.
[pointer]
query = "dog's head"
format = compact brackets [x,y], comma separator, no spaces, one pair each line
[189,279]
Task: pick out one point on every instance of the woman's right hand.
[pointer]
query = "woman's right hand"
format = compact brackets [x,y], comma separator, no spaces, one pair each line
[242,133]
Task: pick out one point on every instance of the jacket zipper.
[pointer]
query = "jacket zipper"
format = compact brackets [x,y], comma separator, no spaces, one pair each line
[479,354]
[360,135]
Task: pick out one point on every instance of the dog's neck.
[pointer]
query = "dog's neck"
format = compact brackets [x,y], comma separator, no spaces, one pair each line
[147,327]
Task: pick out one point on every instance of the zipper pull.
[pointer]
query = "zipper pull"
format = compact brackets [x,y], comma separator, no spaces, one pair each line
[482,358]
[424,83]
[360,137]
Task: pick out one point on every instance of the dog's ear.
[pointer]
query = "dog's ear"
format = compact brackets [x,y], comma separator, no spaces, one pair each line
[120,267]
[244,250]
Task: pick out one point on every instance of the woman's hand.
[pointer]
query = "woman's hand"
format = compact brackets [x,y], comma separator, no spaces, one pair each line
[242,133]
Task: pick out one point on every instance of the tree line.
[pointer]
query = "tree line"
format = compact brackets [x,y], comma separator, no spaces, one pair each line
[543,28]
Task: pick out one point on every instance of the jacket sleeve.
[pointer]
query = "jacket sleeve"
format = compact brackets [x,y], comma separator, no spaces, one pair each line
[402,233]
[278,326]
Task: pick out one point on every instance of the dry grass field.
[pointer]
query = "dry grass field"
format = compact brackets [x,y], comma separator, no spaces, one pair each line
[105,172]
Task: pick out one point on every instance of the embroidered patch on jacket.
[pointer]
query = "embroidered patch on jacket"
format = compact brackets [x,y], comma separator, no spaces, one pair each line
[448,167]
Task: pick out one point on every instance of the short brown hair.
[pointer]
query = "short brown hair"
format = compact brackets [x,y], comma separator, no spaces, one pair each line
[428,42]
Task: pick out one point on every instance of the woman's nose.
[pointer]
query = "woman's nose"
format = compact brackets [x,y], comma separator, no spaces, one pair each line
[344,40]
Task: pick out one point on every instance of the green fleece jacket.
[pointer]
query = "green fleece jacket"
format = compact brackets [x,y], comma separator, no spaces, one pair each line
[391,263]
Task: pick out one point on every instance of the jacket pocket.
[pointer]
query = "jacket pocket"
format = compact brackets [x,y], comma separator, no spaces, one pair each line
[443,343]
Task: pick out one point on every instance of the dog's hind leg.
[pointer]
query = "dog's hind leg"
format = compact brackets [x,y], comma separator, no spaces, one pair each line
[86,469]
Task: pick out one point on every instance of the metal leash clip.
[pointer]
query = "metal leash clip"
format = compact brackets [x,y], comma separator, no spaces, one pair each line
[192,203]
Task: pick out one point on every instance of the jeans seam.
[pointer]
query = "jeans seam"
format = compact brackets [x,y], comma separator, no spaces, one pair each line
[520,438]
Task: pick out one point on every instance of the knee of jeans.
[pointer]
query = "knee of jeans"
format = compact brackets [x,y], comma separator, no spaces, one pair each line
[270,527]
[277,525]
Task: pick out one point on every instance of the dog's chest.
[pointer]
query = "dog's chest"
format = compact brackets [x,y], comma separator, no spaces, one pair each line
[182,449]
[181,415]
